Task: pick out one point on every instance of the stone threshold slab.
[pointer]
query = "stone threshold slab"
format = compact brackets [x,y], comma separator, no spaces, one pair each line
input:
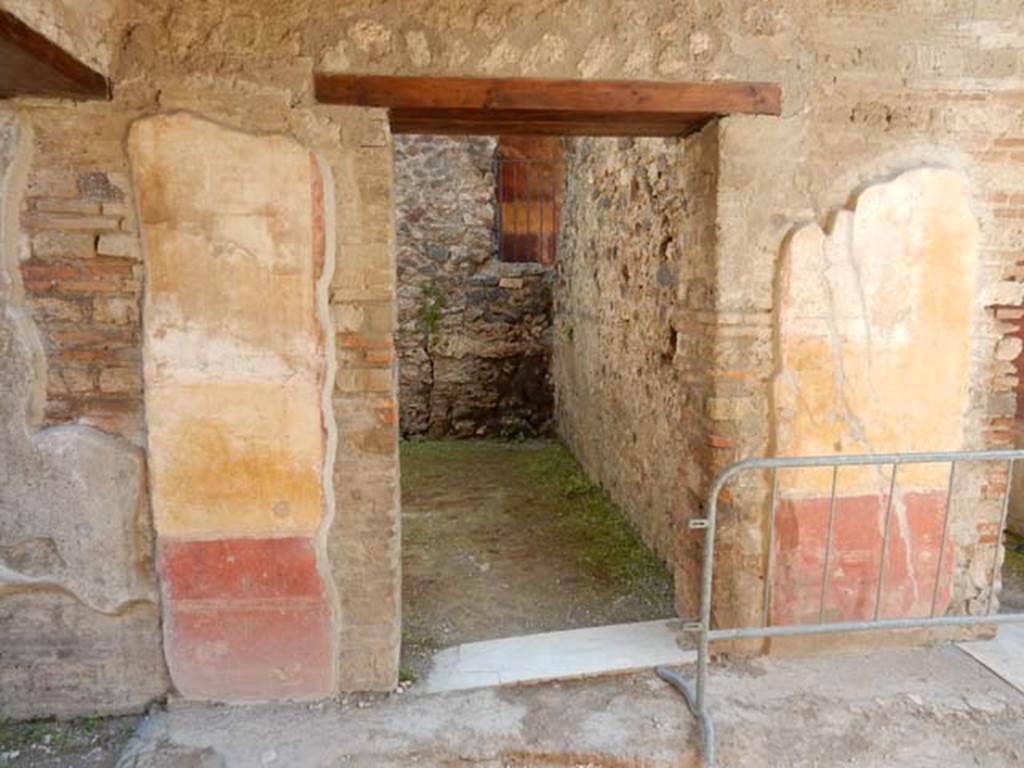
[1003,654]
[568,654]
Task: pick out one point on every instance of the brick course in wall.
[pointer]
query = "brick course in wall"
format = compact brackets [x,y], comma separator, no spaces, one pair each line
[82,274]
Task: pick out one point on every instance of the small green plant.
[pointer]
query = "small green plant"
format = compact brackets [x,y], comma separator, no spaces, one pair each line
[91,722]
[407,674]
[565,333]
[432,308]
[515,429]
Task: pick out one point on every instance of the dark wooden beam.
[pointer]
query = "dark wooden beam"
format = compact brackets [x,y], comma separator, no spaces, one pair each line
[560,107]
[32,65]
[524,122]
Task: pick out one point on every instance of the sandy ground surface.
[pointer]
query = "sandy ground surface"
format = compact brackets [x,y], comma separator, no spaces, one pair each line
[502,539]
[84,743]
[918,708]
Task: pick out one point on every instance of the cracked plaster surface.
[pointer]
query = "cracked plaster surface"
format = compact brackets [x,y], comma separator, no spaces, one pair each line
[874,329]
[72,499]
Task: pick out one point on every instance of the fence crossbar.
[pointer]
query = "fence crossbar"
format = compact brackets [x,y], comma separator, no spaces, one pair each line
[696,694]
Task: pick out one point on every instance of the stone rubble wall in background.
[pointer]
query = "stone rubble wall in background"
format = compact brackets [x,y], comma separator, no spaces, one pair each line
[869,91]
[473,334]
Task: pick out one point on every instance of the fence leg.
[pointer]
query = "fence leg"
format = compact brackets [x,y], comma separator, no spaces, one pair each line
[707,725]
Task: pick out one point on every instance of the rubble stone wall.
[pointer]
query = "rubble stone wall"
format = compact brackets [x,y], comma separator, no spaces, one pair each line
[635,274]
[473,334]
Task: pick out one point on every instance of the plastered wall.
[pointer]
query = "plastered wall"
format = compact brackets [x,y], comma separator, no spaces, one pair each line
[870,91]
[873,331]
[79,623]
[84,28]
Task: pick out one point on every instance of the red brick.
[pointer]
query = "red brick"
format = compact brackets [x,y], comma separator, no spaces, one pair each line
[121,380]
[361,341]
[64,205]
[716,441]
[58,310]
[116,310]
[78,335]
[379,357]
[70,380]
[91,286]
[119,416]
[38,221]
[100,354]
[101,266]
[58,411]
[45,270]
[50,245]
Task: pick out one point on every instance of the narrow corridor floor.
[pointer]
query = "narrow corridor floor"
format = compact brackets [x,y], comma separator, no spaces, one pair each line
[512,538]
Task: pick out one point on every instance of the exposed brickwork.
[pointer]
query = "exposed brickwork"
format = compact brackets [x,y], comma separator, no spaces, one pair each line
[79,620]
[82,274]
[364,541]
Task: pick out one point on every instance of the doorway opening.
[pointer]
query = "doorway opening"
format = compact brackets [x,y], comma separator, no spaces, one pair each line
[618,305]
[504,533]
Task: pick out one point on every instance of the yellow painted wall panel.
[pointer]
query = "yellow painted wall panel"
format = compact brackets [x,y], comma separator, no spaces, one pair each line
[234,359]
[236,458]
[874,326]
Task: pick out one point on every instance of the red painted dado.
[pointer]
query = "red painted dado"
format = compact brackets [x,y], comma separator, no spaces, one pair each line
[245,619]
[239,568]
[851,586]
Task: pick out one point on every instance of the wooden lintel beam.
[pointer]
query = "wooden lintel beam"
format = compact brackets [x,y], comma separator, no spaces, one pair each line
[33,65]
[496,125]
[571,107]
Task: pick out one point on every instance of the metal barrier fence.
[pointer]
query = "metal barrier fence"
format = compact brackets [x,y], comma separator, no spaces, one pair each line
[696,696]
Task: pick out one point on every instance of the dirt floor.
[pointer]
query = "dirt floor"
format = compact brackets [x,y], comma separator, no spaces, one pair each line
[511,538]
[912,708]
[90,742]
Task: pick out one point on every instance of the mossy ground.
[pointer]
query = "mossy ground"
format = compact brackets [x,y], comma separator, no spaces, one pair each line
[505,538]
[1011,600]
